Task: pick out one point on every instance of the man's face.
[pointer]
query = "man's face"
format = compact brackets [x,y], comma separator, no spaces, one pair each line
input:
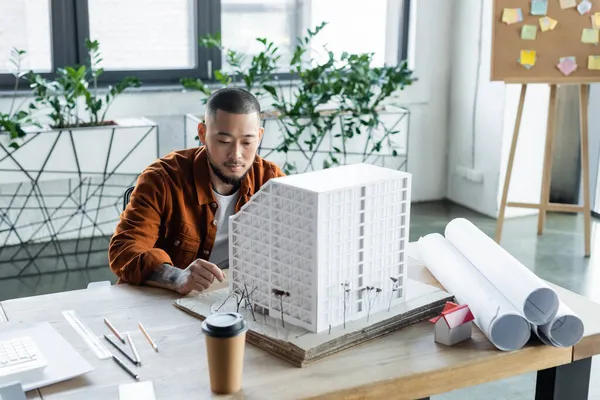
[231,142]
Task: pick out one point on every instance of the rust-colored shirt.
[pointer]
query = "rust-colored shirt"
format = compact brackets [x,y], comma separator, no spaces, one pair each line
[170,218]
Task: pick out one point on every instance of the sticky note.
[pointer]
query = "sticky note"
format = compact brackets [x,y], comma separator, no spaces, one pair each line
[567,65]
[512,15]
[593,62]
[589,36]
[539,7]
[528,32]
[596,21]
[547,24]
[527,58]
[567,4]
[584,7]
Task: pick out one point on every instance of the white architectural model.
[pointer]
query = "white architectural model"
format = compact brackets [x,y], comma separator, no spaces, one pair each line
[328,246]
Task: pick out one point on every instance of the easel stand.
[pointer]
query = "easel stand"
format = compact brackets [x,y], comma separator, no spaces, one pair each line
[545,204]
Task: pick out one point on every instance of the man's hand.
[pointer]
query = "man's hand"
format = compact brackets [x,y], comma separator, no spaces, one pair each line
[199,275]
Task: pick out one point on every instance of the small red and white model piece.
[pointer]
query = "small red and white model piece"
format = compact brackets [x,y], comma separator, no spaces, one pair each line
[454,324]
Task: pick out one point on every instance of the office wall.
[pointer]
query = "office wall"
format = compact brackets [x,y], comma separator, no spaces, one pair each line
[594,145]
[481,121]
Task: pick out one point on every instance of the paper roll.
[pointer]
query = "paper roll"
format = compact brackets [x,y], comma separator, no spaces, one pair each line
[565,329]
[531,296]
[499,321]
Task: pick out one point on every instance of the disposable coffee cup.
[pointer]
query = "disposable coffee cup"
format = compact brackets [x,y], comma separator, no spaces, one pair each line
[225,343]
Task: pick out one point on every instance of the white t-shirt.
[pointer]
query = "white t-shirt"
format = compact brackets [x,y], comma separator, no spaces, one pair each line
[220,252]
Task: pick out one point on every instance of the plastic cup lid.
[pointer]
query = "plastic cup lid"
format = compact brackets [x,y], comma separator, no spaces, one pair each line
[224,324]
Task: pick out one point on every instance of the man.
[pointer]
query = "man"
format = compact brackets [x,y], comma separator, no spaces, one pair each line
[173,233]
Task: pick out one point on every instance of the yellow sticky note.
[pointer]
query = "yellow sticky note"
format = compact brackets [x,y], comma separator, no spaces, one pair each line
[547,24]
[567,4]
[528,32]
[596,21]
[512,15]
[589,36]
[593,62]
[527,58]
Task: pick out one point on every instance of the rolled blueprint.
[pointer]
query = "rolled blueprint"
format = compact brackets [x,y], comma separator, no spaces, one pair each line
[565,329]
[499,321]
[530,295]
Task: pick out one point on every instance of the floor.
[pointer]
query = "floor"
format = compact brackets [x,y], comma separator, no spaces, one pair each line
[556,256]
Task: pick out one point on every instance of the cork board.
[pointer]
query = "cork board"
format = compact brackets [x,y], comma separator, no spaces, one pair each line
[564,40]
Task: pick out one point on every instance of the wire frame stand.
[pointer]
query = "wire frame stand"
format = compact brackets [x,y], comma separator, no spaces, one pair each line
[61,194]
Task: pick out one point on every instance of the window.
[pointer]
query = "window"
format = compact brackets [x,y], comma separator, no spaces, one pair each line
[352,27]
[242,21]
[25,25]
[158,40]
[160,37]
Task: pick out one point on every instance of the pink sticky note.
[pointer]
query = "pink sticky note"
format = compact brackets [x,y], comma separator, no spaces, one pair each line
[567,65]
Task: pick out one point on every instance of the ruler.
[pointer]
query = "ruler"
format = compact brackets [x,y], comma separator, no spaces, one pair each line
[87,335]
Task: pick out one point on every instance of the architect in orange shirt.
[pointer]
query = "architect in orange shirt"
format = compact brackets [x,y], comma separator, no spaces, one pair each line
[173,233]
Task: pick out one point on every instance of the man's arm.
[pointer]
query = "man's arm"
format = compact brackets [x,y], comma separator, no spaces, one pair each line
[199,275]
[165,276]
[132,256]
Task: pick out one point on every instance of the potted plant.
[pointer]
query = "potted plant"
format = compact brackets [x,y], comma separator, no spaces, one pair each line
[74,167]
[14,122]
[337,111]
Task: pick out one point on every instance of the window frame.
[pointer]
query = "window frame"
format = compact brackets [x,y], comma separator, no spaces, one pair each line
[69,21]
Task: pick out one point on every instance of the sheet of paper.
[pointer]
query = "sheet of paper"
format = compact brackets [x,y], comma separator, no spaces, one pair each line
[529,294]
[584,7]
[596,21]
[539,7]
[499,321]
[594,62]
[527,58]
[567,65]
[137,391]
[547,24]
[512,15]
[567,4]
[528,32]
[589,36]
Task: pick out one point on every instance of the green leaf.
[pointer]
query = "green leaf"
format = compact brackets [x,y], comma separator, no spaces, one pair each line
[271,90]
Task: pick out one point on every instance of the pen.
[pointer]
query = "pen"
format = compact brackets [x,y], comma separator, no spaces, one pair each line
[133,349]
[120,349]
[114,330]
[148,337]
[125,367]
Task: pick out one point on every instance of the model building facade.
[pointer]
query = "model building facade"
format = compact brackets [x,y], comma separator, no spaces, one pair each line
[327,246]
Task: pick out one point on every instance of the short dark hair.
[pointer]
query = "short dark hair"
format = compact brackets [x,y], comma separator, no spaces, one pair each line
[232,100]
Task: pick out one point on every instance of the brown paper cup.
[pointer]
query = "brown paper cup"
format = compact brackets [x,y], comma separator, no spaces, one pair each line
[225,343]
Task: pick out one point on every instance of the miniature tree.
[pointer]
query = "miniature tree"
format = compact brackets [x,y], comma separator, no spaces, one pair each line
[280,294]
[248,299]
[346,289]
[395,288]
[370,302]
[235,294]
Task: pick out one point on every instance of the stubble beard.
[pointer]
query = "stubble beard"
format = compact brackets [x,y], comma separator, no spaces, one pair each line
[228,180]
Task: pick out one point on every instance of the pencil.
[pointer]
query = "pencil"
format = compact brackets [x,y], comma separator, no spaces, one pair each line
[148,337]
[114,330]
[133,349]
[125,367]
[120,349]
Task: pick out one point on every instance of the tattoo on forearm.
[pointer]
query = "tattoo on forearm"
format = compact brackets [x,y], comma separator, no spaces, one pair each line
[164,276]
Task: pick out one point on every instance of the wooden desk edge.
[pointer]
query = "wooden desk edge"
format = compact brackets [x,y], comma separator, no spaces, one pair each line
[588,346]
[443,380]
